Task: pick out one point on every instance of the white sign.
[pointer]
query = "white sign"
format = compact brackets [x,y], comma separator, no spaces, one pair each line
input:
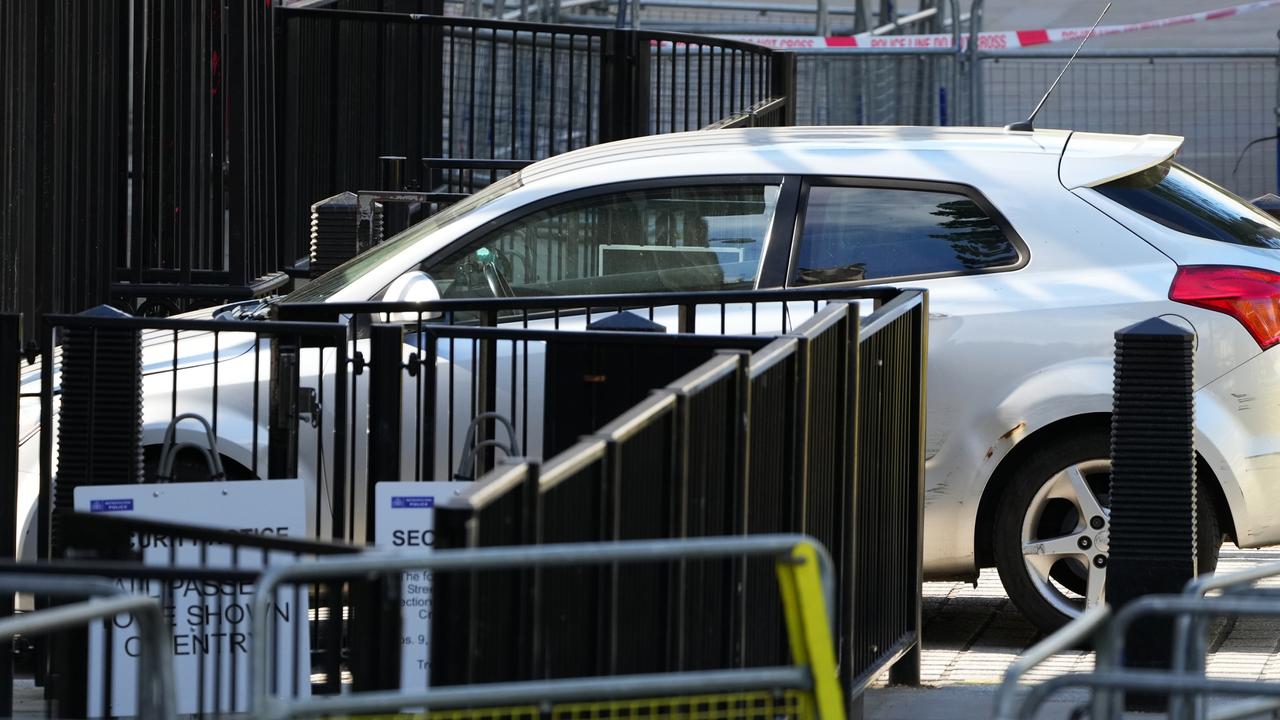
[210,622]
[404,519]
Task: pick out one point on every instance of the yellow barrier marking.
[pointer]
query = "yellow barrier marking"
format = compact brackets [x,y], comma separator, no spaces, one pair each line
[809,629]
[752,705]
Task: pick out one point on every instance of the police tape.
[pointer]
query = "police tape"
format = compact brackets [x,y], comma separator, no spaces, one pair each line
[999,40]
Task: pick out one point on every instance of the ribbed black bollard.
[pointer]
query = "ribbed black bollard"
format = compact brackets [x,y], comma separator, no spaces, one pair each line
[1153,484]
[99,443]
[334,232]
[100,413]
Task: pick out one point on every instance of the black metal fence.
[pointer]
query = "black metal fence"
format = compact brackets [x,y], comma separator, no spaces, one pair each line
[165,155]
[62,170]
[271,393]
[489,90]
[137,142]
[475,363]
[819,432]
[775,413]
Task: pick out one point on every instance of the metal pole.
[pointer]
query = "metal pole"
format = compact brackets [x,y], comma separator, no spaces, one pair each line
[386,345]
[10,369]
[282,427]
[860,22]
[977,112]
[823,24]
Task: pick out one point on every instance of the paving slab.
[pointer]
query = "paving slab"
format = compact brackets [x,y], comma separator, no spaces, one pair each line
[972,634]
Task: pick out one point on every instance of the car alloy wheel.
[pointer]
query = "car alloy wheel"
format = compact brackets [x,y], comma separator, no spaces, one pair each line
[1065,537]
[1052,528]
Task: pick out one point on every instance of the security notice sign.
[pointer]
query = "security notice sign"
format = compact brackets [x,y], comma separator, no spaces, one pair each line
[405,520]
[210,621]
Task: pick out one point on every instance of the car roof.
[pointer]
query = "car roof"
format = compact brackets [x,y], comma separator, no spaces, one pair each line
[960,154]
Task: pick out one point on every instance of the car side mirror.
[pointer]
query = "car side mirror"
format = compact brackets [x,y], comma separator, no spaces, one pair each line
[1269,204]
[414,286]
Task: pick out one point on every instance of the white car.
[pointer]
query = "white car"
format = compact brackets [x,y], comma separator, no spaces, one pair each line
[1035,248]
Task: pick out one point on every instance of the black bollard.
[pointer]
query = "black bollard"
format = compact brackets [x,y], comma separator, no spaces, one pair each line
[1153,484]
[334,232]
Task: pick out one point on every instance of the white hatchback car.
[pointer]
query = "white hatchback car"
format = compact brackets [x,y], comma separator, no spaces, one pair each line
[1035,248]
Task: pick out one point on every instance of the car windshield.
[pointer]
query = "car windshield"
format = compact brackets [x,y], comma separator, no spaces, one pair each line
[326,285]
[1182,200]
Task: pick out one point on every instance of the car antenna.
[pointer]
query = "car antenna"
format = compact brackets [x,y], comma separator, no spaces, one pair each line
[1026,125]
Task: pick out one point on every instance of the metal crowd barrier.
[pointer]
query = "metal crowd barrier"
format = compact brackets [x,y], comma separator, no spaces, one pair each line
[808,689]
[156,700]
[1185,682]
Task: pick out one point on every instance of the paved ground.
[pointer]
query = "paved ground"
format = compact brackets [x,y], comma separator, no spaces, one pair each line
[972,635]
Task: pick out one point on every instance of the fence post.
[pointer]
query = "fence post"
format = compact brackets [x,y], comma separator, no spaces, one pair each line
[907,670]
[282,427]
[375,633]
[386,363]
[782,83]
[624,86]
[10,369]
[1153,484]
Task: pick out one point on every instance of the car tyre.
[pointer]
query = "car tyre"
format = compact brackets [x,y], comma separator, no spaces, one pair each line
[1045,534]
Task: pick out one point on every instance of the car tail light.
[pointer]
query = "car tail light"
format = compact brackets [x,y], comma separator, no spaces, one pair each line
[1249,295]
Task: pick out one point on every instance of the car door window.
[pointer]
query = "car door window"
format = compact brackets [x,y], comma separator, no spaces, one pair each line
[864,233]
[704,237]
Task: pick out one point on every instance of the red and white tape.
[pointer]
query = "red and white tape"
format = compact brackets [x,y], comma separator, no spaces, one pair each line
[1001,40]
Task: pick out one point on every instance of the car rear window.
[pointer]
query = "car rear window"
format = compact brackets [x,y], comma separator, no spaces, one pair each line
[1182,200]
[865,233]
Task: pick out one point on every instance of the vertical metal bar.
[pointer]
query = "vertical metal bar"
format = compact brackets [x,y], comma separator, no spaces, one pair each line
[533,92]
[386,364]
[675,93]
[231,145]
[487,391]
[10,371]
[976,109]
[553,102]
[282,423]
[428,373]
[572,102]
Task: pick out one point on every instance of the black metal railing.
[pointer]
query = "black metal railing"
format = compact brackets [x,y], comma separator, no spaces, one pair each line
[775,413]
[484,97]
[271,393]
[63,170]
[203,170]
[164,156]
[451,370]
[818,432]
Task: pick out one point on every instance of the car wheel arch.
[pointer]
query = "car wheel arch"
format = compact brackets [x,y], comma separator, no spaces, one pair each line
[1002,476]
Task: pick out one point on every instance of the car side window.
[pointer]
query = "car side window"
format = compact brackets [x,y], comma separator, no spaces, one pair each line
[864,233]
[703,237]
